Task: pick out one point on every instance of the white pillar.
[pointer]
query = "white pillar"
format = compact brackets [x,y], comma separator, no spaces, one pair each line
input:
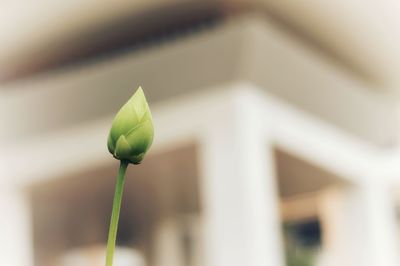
[239,191]
[359,226]
[344,228]
[15,228]
[381,217]
[168,244]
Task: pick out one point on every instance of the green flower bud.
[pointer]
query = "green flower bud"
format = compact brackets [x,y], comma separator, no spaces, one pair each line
[132,130]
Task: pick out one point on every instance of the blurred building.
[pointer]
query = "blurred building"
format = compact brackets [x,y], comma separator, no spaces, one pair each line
[276,132]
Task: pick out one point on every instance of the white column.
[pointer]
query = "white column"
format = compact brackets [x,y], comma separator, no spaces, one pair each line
[15,228]
[239,191]
[344,228]
[359,226]
[381,217]
[168,244]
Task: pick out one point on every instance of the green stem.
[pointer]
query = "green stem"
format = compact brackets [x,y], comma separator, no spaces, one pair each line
[112,234]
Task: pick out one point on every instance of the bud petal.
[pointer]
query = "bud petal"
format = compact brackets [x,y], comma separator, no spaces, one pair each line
[139,104]
[132,130]
[141,137]
[123,149]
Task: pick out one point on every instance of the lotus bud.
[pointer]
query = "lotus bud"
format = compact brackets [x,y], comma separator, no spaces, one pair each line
[132,130]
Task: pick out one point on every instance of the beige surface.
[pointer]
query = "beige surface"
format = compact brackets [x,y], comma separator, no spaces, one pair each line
[362,34]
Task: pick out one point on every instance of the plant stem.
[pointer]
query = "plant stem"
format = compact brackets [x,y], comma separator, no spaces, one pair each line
[112,234]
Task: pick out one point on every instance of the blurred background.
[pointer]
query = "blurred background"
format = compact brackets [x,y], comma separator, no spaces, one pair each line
[276,132]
